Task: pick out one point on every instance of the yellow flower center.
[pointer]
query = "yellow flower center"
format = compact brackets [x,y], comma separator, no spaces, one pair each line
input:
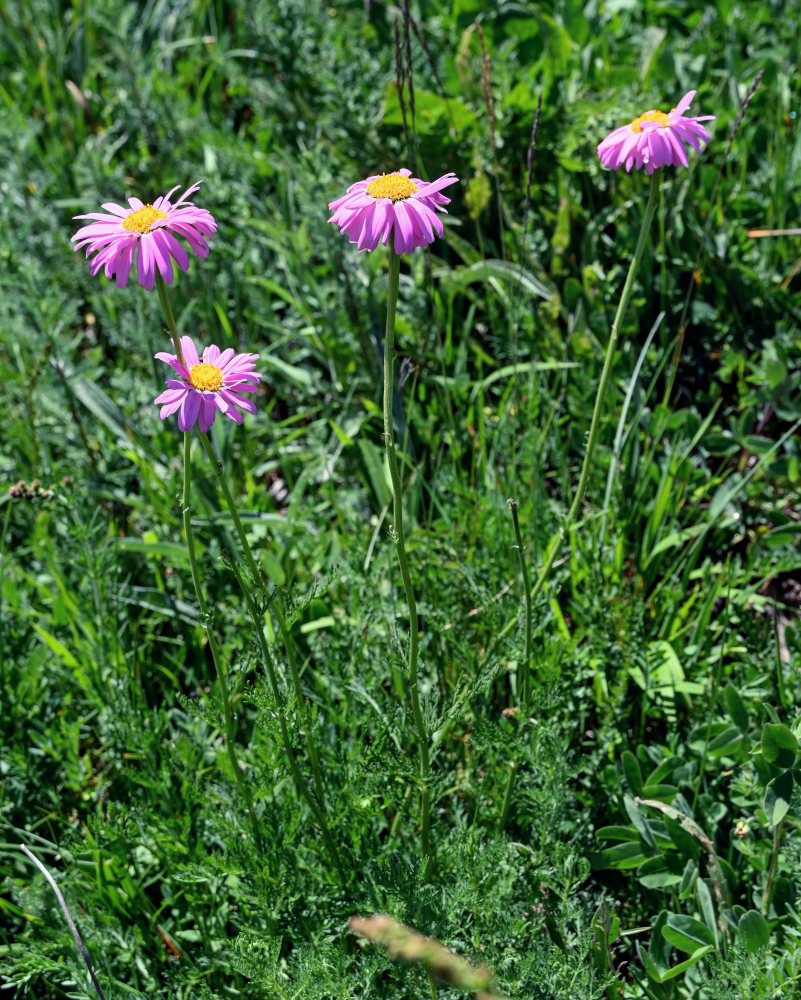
[207,378]
[650,116]
[394,186]
[142,219]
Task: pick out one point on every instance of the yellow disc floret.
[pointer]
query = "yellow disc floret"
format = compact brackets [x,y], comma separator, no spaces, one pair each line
[650,116]
[207,378]
[394,186]
[142,219]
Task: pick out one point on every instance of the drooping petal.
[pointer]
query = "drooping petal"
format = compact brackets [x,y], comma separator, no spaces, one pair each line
[153,242]
[122,265]
[171,396]
[187,414]
[146,265]
[405,211]
[206,413]
[655,139]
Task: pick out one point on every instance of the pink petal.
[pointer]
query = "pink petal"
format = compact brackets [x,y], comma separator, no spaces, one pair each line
[683,104]
[187,415]
[190,352]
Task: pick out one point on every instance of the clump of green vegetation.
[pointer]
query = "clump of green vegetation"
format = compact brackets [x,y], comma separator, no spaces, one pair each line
[609,806]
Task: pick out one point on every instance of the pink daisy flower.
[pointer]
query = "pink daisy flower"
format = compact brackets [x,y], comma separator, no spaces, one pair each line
[207,386]
[655,139]
[114,238]
[372,208]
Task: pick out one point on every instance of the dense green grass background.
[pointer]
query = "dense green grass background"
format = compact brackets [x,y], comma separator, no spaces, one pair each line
[665,640]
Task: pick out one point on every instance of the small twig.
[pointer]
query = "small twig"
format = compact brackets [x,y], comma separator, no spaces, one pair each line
[67,915]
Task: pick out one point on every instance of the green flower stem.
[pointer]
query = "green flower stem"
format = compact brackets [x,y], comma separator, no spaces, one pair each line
[165,305]
[555,543]
[216,652]
[397,533]
[297,775]
[214,646]
[521,555]
[275,607]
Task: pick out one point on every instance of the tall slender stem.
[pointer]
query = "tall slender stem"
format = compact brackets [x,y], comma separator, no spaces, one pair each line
[595,424]
[171,324]
[216,653]
[286,638]
[400,547]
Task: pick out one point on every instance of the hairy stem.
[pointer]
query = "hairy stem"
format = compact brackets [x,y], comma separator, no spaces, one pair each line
[214,646]
[400,547]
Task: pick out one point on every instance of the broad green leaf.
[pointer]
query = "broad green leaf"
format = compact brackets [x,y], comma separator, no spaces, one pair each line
[638,820]
[688,879]
[757,444]
[434,115]
[649,965]
[754,931]
[658,946]
[686,933]
[777,797]
[727,743]
[661,871]
[372,457]
[621,857]
[687,845]
[662,793]
[707,907]
[625,833]
[327,621]
[632,772]
[688,963]
[779,745]
[735,707]
[661,772]
[721,444]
